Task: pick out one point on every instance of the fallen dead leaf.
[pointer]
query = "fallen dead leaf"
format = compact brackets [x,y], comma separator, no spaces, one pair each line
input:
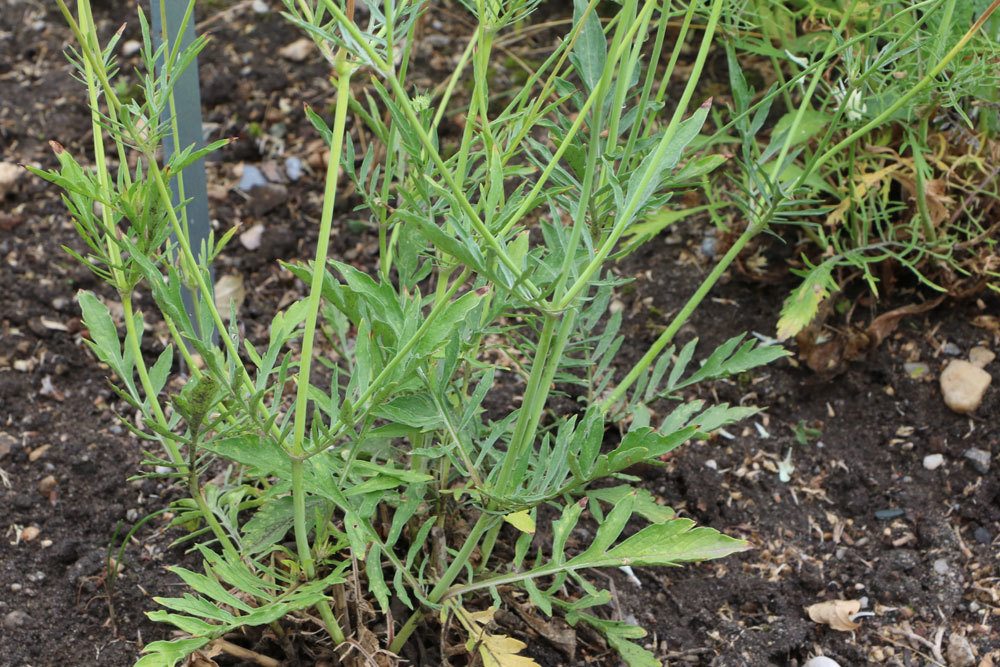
[838,614]
[883,325]
[229,292]
[38,452]
[53,324]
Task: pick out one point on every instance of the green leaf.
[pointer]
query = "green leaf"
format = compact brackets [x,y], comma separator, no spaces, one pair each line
[648,177]
[641,232]
[591,49]
[169,653]
[272,521]
[618,634]
[801,305]
[376,579]
[416,410]
[103,333]
[812,123]
[445,326]
[210,587]
[671,543]
[645,504]
[160,371]
[730,358]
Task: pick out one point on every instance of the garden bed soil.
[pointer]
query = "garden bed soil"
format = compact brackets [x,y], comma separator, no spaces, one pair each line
[861,517]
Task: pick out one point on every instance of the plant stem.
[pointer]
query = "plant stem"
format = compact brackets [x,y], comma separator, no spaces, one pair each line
[675,325]
[631,207]
[322,247]
[461,559]
[132,341]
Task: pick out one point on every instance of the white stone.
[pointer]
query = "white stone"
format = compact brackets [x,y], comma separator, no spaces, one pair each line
[251,237]
[130,48]
[981,356]
[933,461]
[9,175]
[963,386]
[821,661]
[297,51]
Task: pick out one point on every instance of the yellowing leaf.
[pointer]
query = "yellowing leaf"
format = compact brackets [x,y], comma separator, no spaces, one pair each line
[838,614]
[801,305]
[495,650]
[502,651]
[522,521]
[864,183]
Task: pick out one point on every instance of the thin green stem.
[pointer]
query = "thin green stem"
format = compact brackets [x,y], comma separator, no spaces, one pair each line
[319,264]
[458,563]
[631,206]
[679,320]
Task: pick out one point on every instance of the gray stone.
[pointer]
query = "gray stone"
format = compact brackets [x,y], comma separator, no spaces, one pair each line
[252,177]
[979,458]
[293,168]
[266,198]
[960,653]
[951,349]
[15,619]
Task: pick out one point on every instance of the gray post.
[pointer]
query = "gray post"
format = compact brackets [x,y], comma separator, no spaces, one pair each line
[187,101]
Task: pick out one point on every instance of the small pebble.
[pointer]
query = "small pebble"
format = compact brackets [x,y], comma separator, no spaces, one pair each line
[250,239]
[951,349]
[887,514]
[297,51]
[16,588]
[981,357]
[266,198]
[252,177]
[980,459]
[293,168]
[821,661]
[709,246]
[260,7]
[10,174]
[963,386]
[960,653]
[29,533]
[15,619]
[974,606]
[131,47]
[982,536]
[47,484]
[941,566]
[933,461]
[711,463]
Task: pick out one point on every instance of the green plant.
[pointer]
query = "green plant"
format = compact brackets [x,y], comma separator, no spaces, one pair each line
[381,462]
[893,157]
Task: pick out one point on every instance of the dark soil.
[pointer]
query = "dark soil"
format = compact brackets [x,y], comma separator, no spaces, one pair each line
[860,518]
